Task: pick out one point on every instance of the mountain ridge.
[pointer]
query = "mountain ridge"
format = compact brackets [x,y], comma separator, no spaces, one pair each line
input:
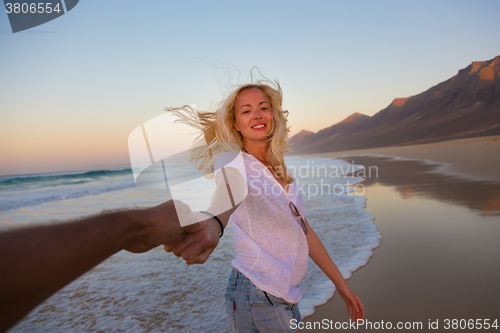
[466,105]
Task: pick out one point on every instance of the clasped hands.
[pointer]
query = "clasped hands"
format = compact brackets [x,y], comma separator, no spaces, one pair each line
[160,225]
[198,241]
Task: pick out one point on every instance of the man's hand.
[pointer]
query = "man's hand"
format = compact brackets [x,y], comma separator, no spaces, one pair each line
[196,247]
[160,225]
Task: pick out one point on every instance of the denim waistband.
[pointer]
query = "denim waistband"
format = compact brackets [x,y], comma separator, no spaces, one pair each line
[237,277]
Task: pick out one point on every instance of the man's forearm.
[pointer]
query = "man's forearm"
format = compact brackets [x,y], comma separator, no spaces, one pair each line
[35,262]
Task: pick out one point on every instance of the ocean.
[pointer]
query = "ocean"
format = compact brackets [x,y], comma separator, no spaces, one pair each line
[156,291]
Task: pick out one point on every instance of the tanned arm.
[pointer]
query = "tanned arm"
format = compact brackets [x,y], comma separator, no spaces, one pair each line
[36,262]
[320,256]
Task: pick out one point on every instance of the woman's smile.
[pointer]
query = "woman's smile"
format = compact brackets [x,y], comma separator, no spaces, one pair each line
[259,127]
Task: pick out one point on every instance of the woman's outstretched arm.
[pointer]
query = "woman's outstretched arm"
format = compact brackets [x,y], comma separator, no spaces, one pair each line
[320,256]
[195,248]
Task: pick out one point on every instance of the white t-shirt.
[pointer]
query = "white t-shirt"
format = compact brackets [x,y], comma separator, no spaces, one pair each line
[271,247]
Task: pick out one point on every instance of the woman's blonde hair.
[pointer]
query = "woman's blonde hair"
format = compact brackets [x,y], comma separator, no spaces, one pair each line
[218,132]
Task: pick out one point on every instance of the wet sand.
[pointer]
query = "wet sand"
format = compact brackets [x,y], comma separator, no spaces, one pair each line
[439,253]
[477,158]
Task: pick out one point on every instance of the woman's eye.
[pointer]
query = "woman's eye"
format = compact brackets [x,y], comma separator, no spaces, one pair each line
[247,111]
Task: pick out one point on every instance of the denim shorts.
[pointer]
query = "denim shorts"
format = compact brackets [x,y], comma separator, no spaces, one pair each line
[250,309]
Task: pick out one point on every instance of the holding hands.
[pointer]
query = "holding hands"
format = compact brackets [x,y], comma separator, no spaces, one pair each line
[194,243]
[160,225]
[197,241]
[196,246]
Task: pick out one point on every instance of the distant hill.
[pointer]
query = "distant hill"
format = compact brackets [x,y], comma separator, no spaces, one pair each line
[298,138]
[466,105]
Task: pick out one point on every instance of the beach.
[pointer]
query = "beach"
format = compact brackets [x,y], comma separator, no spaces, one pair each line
[419,238]
[437,207]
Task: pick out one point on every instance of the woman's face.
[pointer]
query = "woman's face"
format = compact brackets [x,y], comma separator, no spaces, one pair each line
[253,115]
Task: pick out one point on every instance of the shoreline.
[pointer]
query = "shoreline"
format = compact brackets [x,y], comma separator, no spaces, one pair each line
[472,158]
[418,203]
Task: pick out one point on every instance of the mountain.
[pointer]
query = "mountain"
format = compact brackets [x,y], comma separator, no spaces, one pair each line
[466,105]
[298,138]
[347,126]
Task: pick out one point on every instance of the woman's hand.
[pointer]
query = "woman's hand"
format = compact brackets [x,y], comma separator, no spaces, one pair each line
[354,306]
[195,248]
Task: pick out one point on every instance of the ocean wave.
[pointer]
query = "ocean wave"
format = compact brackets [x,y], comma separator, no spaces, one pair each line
[56,179]
[8,202]
[32,190]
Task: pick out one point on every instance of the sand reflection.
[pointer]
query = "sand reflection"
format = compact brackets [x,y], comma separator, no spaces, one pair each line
[413,178]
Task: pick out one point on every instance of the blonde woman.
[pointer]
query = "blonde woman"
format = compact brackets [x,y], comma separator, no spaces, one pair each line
[272,237]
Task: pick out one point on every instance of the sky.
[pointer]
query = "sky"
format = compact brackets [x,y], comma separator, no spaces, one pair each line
[73,89]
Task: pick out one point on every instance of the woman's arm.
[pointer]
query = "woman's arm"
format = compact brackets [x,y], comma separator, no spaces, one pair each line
[320,256]
[195,248]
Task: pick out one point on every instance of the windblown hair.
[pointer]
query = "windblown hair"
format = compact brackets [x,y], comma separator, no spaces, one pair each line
[219,134]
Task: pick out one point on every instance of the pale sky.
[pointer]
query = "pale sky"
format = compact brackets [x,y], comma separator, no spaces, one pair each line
[72,90]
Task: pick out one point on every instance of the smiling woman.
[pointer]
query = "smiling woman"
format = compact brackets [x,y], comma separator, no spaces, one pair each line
[272,238]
